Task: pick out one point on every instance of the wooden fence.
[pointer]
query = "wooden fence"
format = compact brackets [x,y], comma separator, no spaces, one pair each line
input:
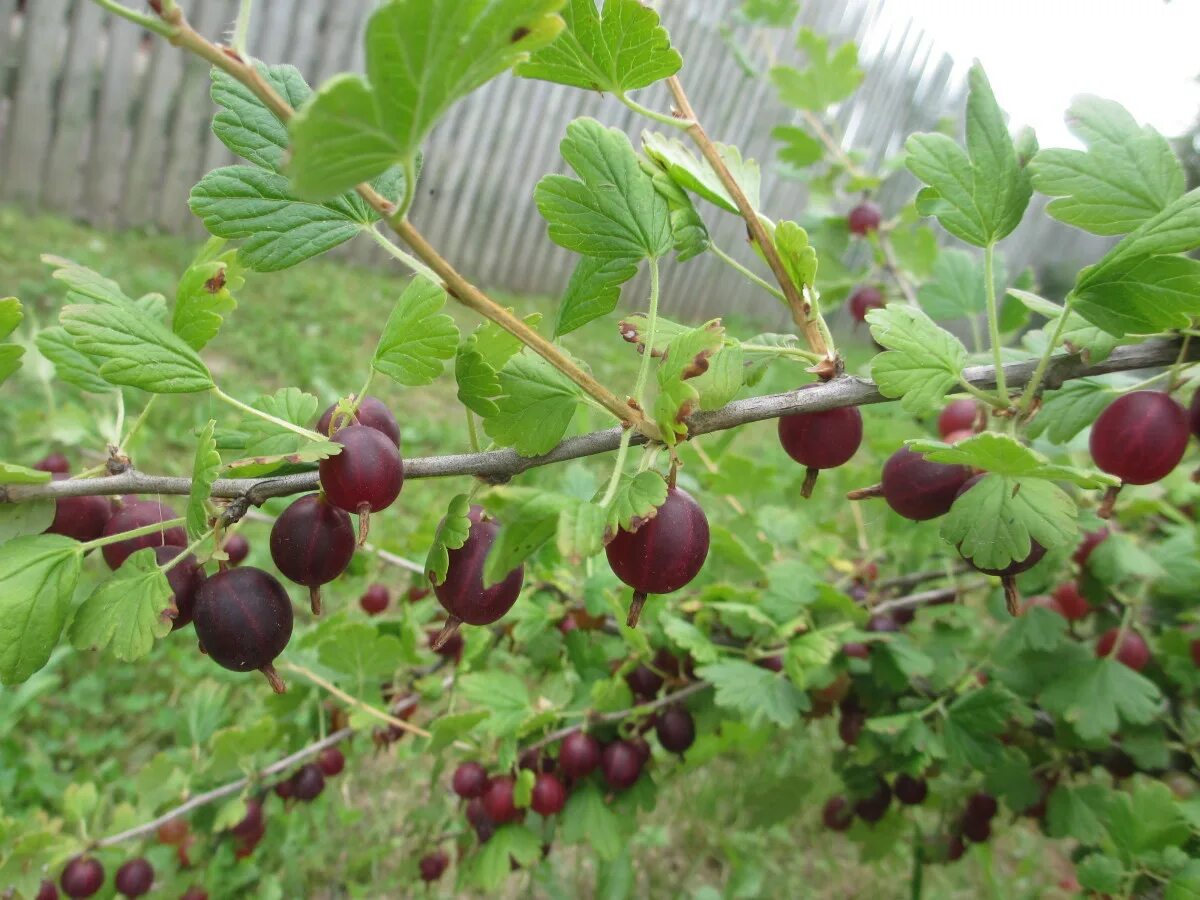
[104,123]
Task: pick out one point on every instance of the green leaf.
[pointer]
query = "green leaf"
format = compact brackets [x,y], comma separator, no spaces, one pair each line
[725,375]
[10,359]
[135,350]
[956,289]
[828,79]
[973,725]
[1185,884]
[1147,820]
[697,175]
[686,636]
[1077,812]
[10,316]
[593,291]
[85,285]
[504,695]
[529,518]
[1096,696]
[245,125]
[205,468]
[800,148]
[1100,873]
[771,13]
[979,194]
[994,523]
[127,610]
[203,298]
[449,728]
[799,257]
[11,473]
[359,651]
[623,49]
[1154,294]
[535,407]
[422,57]
[79,801]
[418,337]
[1035,629]
[491,866]
[581,528]
[451,534]
[70,365]
[1001,454]
[37,580]
[922,363]
[1070,409]
[587,819]
[688,231]
[1127,175]
[687,357]
[267,439]
[613,210]
[1080,335]
[637,497]
[478,383]
[30,517]
[753,692]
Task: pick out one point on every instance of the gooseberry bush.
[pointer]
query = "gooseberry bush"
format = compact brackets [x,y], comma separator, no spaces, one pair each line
[978,555]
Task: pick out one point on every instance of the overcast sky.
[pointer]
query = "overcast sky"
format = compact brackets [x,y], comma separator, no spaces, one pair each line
[1038,54]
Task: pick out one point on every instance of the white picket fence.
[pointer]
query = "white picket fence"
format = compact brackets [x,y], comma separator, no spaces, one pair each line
[109,125]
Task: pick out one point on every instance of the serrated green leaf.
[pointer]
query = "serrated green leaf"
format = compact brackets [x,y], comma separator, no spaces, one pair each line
[1097,696]
[754,692]
[359,651]
[10,473]
[1154,294]
[30,517]
[798,255]
[37,580]
[593,291]
[828,78]
[205,468]
[686,636]
[723,378]
[1036,629]
[922,363]
[10,316]
[422,57]
[127,610]
[10,359]
[245,125]
[135,350]
[1076,812]
[687,357]
[688,231]
[1070,409]
[504,695]
[528,518]
[535,407]
[581,527]
[696,175]
[1128,174]
[957,287]
[204,297]
[1078,334]
[478,383]
[800,148]
[491,866]
[623,49]
[973,725]
[70,365]
[417,337]
[637,497]
[79,802]
[1100,873]
[995,522]
[1001,454]
[451,534]
[449,728]
[85,285]
[587,819]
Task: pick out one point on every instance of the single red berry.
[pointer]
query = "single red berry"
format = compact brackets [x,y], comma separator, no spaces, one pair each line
[47,891]
[955,848]
[981,805]
[54,462]
[195,892]
[416,594]
[863,300]
[821,440]
[185,579]
[549,795]
[676,729]
[140,514]
[882,623]
[243,618]
[237,548]
[864,218]
[172,832]
[82,877]
[977,830]
[252,822]
[477,813]
[850,726]
[1091,541]
[579,754]
[308,782]
[433,865]
[1194,646]
[837,814]
[644,681]
[1133,652]
[498,801]
[371,413]
[312,543]
[134,878]
[909,790]
[874,806]
[1045,601]
[367,475]
[470,780]
[80,518]
[1140,437]
[375,599]
[331,761]
[956,437]
[462,594]
[856,650]
[1073,604]
[958,415]
[450,648]
[771,663]
[919,489]
[285,789]
[834,692]
[245,844]
[663,553]
[1194,414]
[621,762]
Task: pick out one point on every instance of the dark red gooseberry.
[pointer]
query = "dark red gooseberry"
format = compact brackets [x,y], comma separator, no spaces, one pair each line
[644,681]
[140,514]
[856,650]
[371,413]
[837,815]
[462,594]
[82,877]
[955,848]
[1119,763]
[185,579]
[374,600]
[535,761]
[958,415]
[80,518]
[53,462]
[312,543]
[252,822]
[1045,601]
[863,300]
[366,476]
[172,832]
[909,790]
[919,489]
[549,795]
[676,729]
[821,440]
[977,830]
[332,761]
[1193,415]
[874,806]
[245,844]
[1133,652]
[308,782]
[981,805]
[498,801]
[416,594]
[243,618]
[195,892]
[1016,567]
[664,553]
[771,663]
[578,755]
[621,763]
[285,789]
[433,865]
[834,692]
[864,218]
[1139,438]
[470,780]
[955,437]
[1194,647]
[1073,604]
[47,891]
[477,813]
[1091,541]
[850,726]
[450,648]
[237,548]
[134,878]
[640,745]
[882,623]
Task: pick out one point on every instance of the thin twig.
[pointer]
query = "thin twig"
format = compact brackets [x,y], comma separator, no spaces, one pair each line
[351,700]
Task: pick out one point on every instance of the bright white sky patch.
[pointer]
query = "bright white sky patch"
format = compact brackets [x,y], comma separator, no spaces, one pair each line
[1039,54]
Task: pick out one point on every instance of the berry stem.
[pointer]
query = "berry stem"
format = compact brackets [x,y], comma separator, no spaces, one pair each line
[618,467]
[126,535]
[150,23]
[748,275]
[661,118]
[406,258]
[190,548]
[810,481]
[314,600]
[993,316]
[123,447]
[448,631]
[867,493]
[1031,389]
[275,420]
[635,609]
[273,679]
[335,421]
[241,28]
[639,386]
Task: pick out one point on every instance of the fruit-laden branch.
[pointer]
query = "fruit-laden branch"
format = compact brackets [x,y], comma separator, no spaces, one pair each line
[501,465]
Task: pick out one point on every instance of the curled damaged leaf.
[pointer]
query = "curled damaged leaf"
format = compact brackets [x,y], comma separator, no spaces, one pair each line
[687,357]
[216,284]
[631,332]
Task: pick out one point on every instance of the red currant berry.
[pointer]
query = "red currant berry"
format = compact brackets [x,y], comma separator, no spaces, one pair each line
[864,218]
